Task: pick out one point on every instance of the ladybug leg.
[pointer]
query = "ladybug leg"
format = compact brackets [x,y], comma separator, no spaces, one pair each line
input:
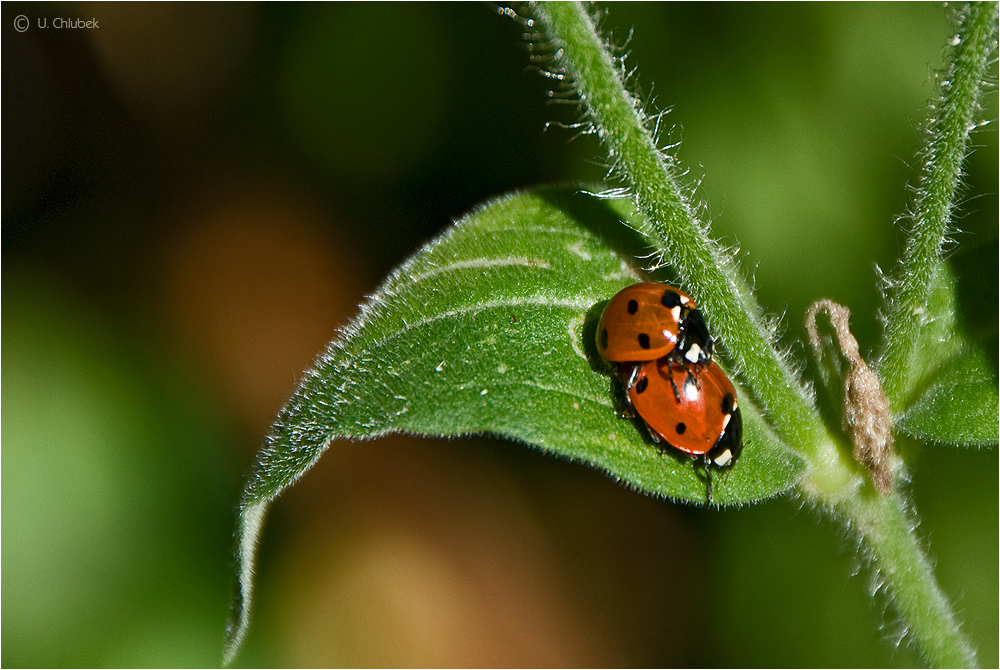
[703,472]
[628,374]
[708,484]
[673,385]
[692,378]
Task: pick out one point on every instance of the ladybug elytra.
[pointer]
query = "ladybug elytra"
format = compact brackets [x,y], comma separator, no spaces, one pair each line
[694,413]
[656,338]
[644,322]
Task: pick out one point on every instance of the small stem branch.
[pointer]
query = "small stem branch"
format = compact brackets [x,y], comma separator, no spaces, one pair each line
[670,222]
[953,119]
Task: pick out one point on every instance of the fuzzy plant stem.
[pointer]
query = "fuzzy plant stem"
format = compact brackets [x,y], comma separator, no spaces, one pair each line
[954,116]
[578,54]
[903,571]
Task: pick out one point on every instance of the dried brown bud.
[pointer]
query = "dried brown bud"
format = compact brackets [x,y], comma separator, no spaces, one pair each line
[866,416]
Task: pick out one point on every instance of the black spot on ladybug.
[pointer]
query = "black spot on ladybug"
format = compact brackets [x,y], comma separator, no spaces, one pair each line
[633,306]
[728,404]
[641,385]
[643,341]
[681,428]
[670,299]
[604,338]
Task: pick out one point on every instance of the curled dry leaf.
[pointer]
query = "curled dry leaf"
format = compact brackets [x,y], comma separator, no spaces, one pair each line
[866,416]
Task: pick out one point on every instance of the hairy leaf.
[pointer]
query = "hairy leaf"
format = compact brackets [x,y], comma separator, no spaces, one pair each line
[956,400]
[490,330]
[941,336]
[959,406]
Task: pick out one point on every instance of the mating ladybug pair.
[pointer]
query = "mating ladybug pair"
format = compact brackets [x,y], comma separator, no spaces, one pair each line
[656,338]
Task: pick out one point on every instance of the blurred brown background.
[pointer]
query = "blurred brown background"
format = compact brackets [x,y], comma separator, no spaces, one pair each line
[195,196]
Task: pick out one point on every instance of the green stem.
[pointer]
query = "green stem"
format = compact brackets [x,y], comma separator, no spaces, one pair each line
[907,575]
[953,118]
[671,225]
[670,221]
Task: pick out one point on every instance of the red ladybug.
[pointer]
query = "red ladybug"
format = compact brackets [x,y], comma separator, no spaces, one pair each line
[645,322]
[695,413]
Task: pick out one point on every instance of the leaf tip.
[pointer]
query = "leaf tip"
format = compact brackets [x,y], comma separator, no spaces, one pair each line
[250,525]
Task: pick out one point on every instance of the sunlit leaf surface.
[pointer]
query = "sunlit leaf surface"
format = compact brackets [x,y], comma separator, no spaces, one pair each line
[490,329]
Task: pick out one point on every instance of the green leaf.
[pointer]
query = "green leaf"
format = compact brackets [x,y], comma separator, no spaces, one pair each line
[956,398]
[940,337]
[960,406]
[490,330]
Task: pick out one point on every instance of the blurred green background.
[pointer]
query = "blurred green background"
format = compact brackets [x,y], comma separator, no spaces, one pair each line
[196,195]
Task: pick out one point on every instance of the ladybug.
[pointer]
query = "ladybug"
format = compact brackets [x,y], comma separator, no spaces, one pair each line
[695,413]
[645,322]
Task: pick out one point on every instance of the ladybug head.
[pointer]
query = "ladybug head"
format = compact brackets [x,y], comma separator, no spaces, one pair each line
[694,345]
